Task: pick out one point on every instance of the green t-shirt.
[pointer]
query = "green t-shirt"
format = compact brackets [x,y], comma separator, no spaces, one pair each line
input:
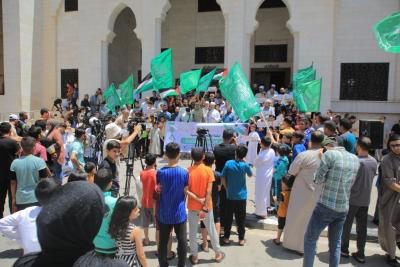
[103,242]
[27,173]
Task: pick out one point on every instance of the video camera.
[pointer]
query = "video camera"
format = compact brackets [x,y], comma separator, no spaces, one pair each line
[135,121]
[201,132]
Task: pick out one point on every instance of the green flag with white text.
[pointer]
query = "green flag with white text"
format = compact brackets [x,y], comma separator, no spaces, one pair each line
[189,80]
[205,82]
[162,70]
[127,91]
[236,89]
[112,98]
[387,32]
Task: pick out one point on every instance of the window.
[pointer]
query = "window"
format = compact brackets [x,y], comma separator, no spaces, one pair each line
[272,4]
[68,76]
[270,53]
[364,81]
[207,6]
[71,5]
[209,55]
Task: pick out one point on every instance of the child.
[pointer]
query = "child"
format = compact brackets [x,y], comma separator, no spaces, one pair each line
[173,181]
[90,169]
[281,167]
[254,140]
[298,143]
[113,150]
[148,179]
[127,235]
[283,200]
[22,224]
[154,136]
[234,180]
[200,204]
[209,159]
[103,242]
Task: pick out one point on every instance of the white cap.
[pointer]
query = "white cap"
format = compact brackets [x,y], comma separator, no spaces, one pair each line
[112,130]
[13,117]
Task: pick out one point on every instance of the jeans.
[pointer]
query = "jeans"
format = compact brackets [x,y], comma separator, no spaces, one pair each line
[56,168]
[321,218]
[208,221]
[361,215]
[237,207]
[180,231]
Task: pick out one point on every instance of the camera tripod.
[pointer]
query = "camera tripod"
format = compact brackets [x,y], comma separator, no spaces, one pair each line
[129,167]
[201,141]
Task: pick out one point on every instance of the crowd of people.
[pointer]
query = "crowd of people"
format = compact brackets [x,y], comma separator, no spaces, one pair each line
[311,171]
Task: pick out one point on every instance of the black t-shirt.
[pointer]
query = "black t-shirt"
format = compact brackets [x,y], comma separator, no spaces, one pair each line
[112,167]
[223,153]
[8,150]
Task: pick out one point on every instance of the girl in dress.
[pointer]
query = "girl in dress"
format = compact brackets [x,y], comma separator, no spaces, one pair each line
[254,139]
[126,234]
[155,147]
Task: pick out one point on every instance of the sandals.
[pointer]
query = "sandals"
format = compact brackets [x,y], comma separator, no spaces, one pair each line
[276,242]
[192,260]
[225,242]
[220,259]
[241,243]
[205,248]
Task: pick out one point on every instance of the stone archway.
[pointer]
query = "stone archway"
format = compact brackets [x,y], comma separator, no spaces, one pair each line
[124,49]
[272,45]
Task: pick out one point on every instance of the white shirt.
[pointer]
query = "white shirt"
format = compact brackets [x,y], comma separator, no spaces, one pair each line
[271,95]
[21,226]
[213,116]
[268,111]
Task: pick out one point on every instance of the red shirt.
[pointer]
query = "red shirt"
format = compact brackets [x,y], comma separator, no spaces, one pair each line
[40,151]
[148,179]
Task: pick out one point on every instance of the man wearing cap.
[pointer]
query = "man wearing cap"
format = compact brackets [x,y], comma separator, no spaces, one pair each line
[336,172]
[13,120]
[213,115]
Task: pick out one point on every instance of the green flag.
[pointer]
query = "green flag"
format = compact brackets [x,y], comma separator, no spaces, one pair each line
[205,82]
[127,91]
[112,98]
[189,80]
[387,32]
[162,70]
[303,75]
[236,89]
[308,96]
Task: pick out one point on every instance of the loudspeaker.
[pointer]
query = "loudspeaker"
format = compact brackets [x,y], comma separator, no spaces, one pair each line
[374,130]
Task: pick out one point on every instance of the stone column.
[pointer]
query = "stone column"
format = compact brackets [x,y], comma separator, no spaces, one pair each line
[18,27]
[314,40]
[240,25]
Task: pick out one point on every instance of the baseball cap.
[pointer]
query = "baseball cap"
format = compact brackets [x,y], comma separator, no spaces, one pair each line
[112,130]
[13,117]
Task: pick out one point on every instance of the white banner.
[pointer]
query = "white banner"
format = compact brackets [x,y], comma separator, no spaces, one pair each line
[185,133]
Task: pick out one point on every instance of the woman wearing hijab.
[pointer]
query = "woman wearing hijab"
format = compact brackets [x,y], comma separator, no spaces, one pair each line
[67,226]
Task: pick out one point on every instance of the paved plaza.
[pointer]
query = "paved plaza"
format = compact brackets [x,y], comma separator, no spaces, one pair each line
[258,251]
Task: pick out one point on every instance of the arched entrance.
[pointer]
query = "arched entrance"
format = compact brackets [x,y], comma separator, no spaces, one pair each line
[195,30]
[271,55]
[124,52]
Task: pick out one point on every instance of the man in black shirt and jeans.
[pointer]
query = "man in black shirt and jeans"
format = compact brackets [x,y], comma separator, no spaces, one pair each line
[8,152]
[224,152]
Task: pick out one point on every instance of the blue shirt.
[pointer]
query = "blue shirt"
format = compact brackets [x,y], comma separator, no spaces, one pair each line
[27,172]
[229,118]
[103,242]
[235,175]
[173,180]
[77,149]
[164,114]
[297,149]
[348,141]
